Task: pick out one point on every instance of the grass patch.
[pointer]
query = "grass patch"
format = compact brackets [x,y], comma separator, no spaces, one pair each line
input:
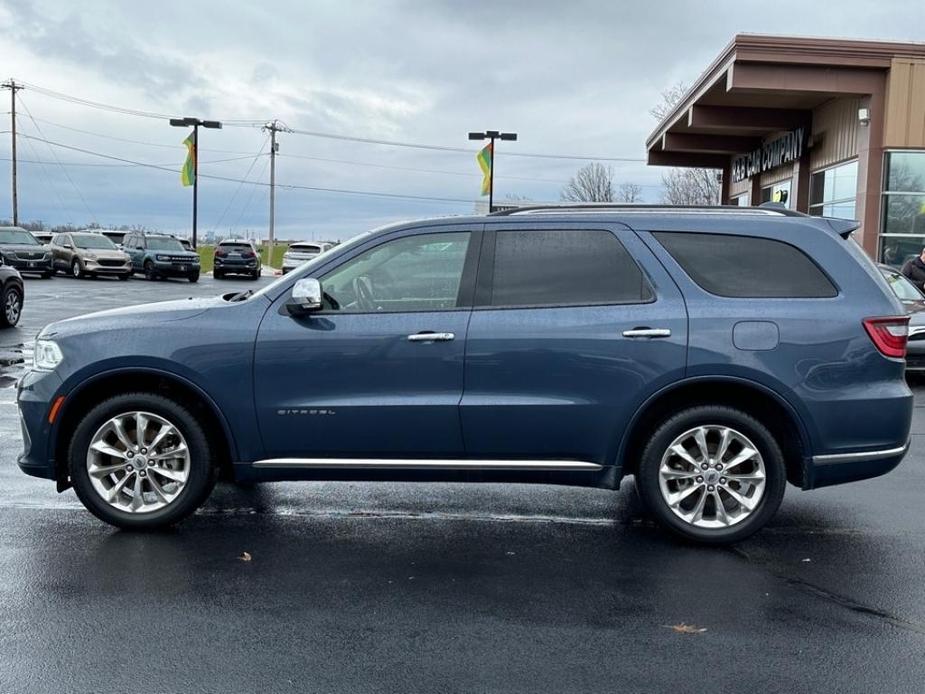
[207,255]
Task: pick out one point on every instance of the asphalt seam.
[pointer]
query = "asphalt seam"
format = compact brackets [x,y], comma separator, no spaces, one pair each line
[829,596]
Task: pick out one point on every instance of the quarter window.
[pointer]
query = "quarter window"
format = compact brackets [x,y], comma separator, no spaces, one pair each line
[746,266]
[564,267]
[413,273]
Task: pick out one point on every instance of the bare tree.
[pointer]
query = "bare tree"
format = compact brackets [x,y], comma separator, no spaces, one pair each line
[629,192]
[592,183]
[685,186]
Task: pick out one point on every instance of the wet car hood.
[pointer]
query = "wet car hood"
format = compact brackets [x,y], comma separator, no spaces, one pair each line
[126,316]
[26,247]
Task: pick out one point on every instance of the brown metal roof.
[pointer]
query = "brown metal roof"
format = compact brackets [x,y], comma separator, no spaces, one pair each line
[762,84]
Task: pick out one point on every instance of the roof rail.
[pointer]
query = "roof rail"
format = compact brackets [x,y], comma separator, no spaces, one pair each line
[765,208]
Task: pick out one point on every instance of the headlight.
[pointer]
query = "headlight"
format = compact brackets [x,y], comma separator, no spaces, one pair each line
[47,355]
[162,258]
[90,256]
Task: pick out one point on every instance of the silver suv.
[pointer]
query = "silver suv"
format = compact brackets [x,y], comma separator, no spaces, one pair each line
[87,254]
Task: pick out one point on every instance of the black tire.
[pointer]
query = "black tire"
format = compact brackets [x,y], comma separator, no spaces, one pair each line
[202,475]
[77,270]
[194,277]
[124,277]
[218,274]
[647,475]
[255,275]
[10,313]
[48,275]
[150,272]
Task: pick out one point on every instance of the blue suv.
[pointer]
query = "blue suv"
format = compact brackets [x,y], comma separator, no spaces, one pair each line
[715,354]
[160,255]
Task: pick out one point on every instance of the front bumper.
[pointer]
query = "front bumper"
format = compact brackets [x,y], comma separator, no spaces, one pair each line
[34,395]
[27,265]
[838,468]
[167,269]
[95,267]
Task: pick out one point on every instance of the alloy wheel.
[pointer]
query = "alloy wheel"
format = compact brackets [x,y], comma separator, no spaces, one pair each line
[138,462]
[712,476]
[12,307]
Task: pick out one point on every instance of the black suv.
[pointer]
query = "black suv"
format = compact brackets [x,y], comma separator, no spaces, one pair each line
[11,296]
[21,250]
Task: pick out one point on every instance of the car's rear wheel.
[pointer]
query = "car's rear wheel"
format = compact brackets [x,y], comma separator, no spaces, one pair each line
[194,277]
[712,474]
[11,306]
[48,275]
[255,275]
[124,277]
[141,461]
[218,274]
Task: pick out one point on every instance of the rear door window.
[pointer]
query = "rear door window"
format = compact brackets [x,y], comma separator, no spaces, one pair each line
[747,267]
[567,267]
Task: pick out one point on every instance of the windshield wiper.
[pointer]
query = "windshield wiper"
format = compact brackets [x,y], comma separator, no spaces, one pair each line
[242,295]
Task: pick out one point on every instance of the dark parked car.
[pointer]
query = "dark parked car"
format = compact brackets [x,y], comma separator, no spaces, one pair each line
[88,254]
[160,255]
[715,354]
[236,257]
[12,294]
[914,302]
[21,250]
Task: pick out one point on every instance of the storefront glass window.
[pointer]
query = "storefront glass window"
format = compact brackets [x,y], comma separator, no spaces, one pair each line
[903,227]
[779,192]
[833,191]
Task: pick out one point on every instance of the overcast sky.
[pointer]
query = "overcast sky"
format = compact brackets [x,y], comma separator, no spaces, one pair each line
[574,77]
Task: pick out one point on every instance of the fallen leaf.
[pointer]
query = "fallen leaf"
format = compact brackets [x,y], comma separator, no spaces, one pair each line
[245,556]
[683,628]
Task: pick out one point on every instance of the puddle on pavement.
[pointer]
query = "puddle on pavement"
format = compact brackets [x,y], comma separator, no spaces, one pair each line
[13,362]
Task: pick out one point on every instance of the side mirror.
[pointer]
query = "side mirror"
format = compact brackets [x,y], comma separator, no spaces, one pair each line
[306,297]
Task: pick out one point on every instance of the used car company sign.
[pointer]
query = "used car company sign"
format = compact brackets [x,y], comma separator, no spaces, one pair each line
[782,150]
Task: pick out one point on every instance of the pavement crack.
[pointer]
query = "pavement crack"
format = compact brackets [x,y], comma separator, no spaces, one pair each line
[829,596]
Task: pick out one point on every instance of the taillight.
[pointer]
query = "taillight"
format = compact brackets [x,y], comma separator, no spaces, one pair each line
[889,334]
[247,254]
[220,254]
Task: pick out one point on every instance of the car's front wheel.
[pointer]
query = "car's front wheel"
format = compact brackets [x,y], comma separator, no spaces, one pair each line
[150,272]
[141,461]
[194,277]
[11,306]
[77,270]
[712,474]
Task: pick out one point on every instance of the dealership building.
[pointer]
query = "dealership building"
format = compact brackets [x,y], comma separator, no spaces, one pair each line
[833,127]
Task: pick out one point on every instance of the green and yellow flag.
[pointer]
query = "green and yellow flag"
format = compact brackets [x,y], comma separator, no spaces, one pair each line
[188,172]
[484,160]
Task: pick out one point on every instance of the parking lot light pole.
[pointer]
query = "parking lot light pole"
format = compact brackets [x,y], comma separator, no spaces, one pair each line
[492,135]
[195,123]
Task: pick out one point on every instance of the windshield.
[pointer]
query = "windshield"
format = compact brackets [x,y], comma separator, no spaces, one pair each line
[18,236]
[164,243]
[92,241]
[902,288]
[304,248]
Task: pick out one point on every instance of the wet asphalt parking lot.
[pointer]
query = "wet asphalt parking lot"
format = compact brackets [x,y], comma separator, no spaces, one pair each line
[446,588]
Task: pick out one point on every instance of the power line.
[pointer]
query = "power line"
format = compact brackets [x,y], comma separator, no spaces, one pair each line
[99,165]
[63,170]
[290,186]
[137,142]
[234,195]
[243,122]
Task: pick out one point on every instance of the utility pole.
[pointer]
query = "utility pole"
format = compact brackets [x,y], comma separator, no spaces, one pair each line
[273,127]
[13,87]
[492,135]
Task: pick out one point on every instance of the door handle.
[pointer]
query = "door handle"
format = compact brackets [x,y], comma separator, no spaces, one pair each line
[431,337]
[647,332]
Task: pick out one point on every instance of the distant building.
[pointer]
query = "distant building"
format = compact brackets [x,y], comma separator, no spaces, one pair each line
[827,126]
